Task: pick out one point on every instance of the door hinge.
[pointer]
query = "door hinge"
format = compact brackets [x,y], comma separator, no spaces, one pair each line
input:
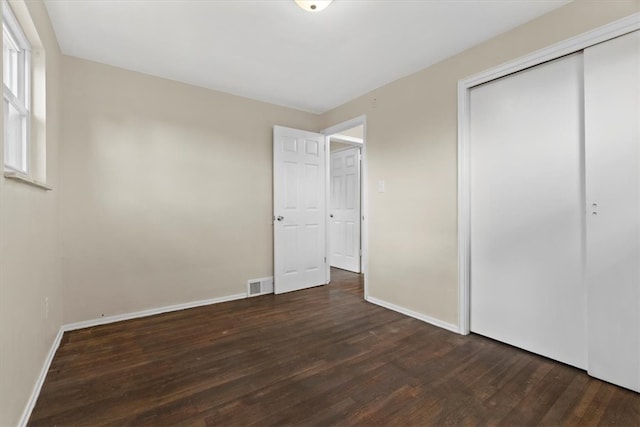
[325,260]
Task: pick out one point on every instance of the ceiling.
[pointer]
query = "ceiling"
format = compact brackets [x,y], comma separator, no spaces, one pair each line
[273,51]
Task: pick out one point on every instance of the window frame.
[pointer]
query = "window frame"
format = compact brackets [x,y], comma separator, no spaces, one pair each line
[22,100]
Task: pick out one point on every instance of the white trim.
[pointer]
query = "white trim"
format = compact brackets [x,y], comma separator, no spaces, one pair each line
[364,205]
[464,211]
[574,44]
[35,393]
[14,25]
[21,177]
[427,319]
[345,139]
[351,123]
[150,312]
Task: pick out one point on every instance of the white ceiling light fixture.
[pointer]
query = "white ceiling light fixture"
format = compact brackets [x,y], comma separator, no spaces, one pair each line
[313,5]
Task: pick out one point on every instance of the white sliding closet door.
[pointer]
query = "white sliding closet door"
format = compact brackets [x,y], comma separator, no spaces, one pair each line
[612,136]
[527,210]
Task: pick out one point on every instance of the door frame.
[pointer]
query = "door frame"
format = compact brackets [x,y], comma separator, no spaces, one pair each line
[606,32]
[364,194]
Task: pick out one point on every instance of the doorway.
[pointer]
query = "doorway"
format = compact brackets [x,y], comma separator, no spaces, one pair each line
[345,200]
[301,215]
[347,235]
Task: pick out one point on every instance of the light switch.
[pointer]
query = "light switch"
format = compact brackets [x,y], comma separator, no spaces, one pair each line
[381,188]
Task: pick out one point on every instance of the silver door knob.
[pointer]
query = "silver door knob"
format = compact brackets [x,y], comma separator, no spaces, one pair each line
[279,218]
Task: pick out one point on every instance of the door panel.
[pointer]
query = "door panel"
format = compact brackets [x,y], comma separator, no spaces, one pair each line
[527,211]
[345,209]
[298,200]
[612,133]
[312,190]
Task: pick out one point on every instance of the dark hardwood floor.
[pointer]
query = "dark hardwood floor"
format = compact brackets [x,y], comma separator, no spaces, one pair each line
[321,356]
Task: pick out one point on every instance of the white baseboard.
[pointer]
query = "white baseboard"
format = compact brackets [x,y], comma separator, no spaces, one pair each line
[26,414]
[427,319]
[150,312]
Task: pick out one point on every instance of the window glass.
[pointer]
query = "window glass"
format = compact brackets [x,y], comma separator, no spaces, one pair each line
[10,54]
[16,90]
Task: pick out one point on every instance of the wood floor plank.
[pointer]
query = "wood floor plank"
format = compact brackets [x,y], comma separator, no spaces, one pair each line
[318,357]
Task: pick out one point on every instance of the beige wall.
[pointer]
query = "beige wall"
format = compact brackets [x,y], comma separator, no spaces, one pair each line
[337,145]
[164,194]
[412,143]
[167,191]
[355,132]
[29,257]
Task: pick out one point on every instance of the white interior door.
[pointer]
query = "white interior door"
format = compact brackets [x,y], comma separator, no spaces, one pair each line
[527,211]
[344,212]
[298,209]
[612,134]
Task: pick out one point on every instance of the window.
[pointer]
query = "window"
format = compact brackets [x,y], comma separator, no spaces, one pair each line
[16,77]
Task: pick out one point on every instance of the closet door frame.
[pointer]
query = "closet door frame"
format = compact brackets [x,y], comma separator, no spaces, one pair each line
[607,32]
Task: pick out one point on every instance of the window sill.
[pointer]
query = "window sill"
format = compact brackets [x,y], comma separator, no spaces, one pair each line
[26,180]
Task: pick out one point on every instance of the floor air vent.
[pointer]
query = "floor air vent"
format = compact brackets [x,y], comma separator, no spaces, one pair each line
[262,286]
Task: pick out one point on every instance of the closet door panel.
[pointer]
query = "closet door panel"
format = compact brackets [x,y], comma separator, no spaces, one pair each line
[527,210]
[612,141]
